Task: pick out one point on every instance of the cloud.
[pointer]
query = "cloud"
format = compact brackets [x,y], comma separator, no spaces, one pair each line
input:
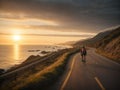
[27,21]
[81,15]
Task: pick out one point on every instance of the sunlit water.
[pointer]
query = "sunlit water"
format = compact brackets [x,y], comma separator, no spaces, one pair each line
[11,55]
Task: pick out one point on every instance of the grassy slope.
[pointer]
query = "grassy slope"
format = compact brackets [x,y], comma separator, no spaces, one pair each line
[107,43]
[29,60]
[91,41]
[36,78]
[109,46]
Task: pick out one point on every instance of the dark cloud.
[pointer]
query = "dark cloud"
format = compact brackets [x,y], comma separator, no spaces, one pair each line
[76,14]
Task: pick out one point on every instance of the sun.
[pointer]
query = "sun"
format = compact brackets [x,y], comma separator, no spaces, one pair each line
[16,37]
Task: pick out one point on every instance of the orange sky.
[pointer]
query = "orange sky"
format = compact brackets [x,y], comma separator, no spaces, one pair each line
[54,21]
[36,39]
[37,31]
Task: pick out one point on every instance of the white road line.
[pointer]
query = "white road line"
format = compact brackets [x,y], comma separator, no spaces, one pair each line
[68,76]
[99,83]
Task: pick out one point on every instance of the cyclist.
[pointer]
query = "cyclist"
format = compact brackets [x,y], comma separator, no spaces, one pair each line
[83,53]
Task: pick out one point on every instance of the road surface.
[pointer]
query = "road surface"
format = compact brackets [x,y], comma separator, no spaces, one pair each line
[98,73]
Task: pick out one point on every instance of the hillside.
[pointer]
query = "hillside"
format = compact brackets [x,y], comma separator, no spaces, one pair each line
[107,43]
[92,41]
[110,45]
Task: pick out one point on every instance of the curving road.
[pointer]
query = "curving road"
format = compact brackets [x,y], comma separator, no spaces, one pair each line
[98,73]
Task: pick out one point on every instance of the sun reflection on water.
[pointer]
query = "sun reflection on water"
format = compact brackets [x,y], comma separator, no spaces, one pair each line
[16,52]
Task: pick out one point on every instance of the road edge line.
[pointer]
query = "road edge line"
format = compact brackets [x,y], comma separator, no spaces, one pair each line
[99,83]
[68,75]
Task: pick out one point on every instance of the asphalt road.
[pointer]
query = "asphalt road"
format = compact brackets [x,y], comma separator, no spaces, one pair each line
[98,73]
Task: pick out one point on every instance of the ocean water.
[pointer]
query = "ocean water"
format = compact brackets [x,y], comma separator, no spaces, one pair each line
[11,55]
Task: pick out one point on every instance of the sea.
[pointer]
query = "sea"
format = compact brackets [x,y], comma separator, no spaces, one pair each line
[11,55]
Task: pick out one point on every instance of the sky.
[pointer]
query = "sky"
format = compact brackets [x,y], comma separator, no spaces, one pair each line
[55,21]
